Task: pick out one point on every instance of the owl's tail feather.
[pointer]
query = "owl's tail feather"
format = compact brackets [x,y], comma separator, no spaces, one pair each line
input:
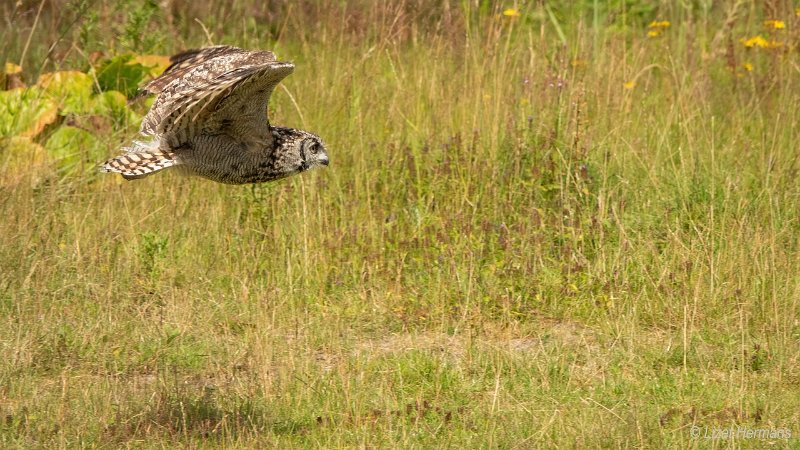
[142,159]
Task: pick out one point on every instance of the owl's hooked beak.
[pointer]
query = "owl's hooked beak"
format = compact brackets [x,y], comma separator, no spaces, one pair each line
[318,159]
[309,161]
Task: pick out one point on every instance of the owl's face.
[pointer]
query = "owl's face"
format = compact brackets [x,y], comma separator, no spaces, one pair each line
[312,152]
[300,150]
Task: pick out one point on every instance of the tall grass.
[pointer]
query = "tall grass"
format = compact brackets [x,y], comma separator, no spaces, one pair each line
[536,231]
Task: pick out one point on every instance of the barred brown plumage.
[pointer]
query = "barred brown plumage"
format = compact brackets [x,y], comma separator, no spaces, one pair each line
[210,118]
[141,162]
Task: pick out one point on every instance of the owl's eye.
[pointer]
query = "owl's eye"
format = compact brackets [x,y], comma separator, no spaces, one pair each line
[310,146]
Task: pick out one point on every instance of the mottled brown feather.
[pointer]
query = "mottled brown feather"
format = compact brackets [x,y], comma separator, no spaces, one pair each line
[235,103]
[186,60]
[189,84]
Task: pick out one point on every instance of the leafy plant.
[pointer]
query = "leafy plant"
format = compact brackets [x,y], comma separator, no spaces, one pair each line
[135,35]
[24,111]
[152,248]
[74,150]
[121,74]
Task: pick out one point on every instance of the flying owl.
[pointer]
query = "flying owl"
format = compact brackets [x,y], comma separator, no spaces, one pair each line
[210,119]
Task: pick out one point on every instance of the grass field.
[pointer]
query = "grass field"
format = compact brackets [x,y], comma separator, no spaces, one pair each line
[549,226]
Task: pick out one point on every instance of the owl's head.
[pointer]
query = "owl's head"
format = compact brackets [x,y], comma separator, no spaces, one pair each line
[299,150]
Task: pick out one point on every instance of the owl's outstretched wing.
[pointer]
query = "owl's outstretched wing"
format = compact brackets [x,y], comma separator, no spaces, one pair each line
[234,103]
[217,59]
[214,90]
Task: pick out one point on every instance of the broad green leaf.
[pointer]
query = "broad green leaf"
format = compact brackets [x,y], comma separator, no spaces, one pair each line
[74,150]
[25,111]
[114,105]
[72,90]
[121,73]
[155,64]
[38,124]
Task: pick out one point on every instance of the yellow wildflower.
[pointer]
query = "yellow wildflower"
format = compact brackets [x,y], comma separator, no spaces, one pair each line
[755,41]
[797,12]
[630,84]
[659,24]
[511,12]
[758,41]
[748,67]
[653,33]
[775,24]
[11,68]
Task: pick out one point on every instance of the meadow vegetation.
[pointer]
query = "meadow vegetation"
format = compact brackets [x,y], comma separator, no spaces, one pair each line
[545,224]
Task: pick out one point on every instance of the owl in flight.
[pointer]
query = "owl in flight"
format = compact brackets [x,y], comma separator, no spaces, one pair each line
[210,119]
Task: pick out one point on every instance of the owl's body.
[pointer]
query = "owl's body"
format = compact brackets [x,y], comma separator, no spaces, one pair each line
[210,119]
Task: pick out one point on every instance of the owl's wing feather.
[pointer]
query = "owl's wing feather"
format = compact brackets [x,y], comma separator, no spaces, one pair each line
[234,104]
[195,76]
[193,57]
[224,58]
